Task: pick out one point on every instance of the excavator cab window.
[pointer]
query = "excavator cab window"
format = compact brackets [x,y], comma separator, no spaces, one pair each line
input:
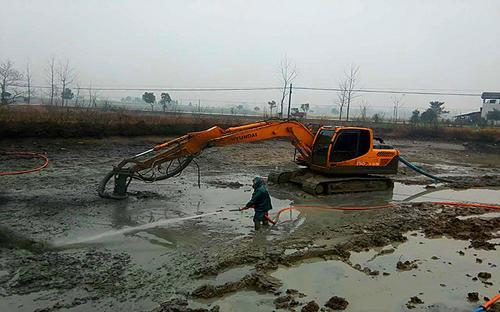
[321,146]
[350,144]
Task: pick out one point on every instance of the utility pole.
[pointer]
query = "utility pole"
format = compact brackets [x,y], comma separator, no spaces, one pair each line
[199,105]
[289,101]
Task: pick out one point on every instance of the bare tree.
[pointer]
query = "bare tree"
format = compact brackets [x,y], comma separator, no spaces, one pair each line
[363,108]
[66,76]
[29,79]
[347,88]
[272,104]
[77,97]
[288,72]
[92,96]
[51,77]
[9,79]
[342,97]
[397,103]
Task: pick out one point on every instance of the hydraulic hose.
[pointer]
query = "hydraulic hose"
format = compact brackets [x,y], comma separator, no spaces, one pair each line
[44,158]
[421,171]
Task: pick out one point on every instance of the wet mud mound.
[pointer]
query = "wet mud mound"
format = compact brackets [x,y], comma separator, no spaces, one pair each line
[94,270]
[337,303]
[181,305]
[225,184]
[463,182]
[12,240]
[257,281]
[479,231]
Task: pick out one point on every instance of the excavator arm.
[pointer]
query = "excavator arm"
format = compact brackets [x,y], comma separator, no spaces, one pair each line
[169,159]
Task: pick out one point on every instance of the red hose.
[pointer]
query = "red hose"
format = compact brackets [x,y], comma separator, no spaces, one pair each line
[361,208]
[32,154]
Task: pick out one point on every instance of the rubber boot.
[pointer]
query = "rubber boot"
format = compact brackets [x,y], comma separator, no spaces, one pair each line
[256,224]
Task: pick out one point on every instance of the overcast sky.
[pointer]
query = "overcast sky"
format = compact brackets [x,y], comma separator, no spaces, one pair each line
[396,44]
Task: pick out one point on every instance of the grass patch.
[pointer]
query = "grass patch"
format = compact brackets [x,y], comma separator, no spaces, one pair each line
[57,122]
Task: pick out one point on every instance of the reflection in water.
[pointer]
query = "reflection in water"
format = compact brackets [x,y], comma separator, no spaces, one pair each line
[121,216]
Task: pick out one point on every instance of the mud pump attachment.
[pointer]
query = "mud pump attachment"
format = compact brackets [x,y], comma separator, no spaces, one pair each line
[149,166]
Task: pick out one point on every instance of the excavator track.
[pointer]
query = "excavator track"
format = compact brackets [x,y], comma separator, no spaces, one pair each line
[317,184]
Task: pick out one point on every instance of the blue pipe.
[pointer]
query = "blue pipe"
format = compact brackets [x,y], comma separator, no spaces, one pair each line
[421,171]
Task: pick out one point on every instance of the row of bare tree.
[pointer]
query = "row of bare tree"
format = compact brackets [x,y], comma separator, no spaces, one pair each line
[346,87]
[14,84]
[60,77]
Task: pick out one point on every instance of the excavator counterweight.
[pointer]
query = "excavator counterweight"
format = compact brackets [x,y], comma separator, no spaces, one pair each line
[334,156]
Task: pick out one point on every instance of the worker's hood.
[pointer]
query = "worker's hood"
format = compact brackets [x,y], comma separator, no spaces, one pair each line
[257,182]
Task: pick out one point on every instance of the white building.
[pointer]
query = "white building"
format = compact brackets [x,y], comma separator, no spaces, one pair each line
[491,101]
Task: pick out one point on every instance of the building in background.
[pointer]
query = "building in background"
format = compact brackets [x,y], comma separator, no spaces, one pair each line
[491,102]
[473,117]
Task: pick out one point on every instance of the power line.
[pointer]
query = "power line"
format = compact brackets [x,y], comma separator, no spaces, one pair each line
[371,90]
[162,89]
[390,91]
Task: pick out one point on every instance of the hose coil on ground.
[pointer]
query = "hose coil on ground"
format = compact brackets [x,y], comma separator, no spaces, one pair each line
[43,157]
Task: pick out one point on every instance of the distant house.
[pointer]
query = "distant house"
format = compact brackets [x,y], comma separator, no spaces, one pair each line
[469,117]
[491,101]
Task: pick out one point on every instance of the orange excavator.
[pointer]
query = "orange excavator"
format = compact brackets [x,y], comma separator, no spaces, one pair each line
[334,159]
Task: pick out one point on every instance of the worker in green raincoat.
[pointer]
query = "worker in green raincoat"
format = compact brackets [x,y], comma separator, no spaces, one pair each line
[261,202]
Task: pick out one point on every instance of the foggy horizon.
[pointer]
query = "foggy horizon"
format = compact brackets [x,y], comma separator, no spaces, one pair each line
[410,45]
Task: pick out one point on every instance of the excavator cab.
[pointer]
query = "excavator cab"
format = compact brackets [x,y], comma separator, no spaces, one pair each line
[334,145]
[351,150]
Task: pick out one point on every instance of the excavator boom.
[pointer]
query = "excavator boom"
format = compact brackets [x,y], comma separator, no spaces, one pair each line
[168,159]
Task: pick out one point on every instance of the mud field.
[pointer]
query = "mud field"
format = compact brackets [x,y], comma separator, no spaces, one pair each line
[172,246]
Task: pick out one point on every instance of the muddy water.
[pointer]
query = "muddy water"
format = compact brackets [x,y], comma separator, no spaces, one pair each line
[418,193]
[228,276]
[442,280]
[145,230]
[243,301]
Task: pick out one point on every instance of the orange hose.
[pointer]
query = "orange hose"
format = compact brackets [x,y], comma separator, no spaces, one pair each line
[268,218]
[491,302]
[34,155]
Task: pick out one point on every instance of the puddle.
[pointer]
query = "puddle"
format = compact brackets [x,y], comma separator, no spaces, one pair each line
[149,230]
[476,195]
[418,193]
[250,301]
[231,275]
[441,280]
